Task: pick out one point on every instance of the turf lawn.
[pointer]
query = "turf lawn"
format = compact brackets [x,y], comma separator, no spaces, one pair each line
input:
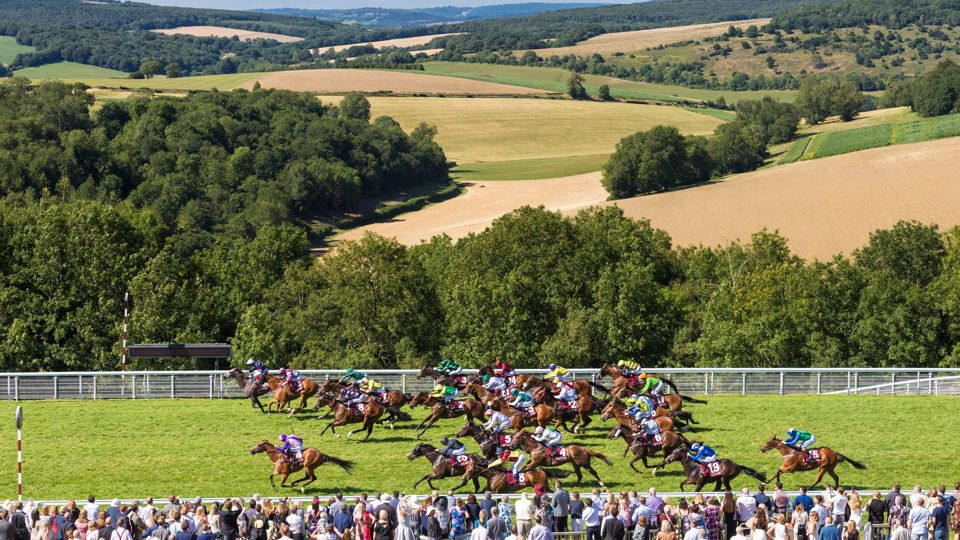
[68,70]
[9,49]
[201,447]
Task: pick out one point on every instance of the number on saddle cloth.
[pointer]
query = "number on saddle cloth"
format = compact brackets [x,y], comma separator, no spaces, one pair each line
[711,469]
[813,456]
[459,460]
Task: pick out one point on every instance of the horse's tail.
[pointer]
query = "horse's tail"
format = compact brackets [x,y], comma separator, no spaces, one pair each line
[754,473]
[344,464]
[692,400]
[598,455]
[671,384]
[856,464]
[557,473]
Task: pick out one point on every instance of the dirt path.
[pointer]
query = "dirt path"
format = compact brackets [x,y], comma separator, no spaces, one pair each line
[824,207]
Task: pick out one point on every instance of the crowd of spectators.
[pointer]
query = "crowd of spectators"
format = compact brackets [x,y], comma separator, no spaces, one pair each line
[828,515]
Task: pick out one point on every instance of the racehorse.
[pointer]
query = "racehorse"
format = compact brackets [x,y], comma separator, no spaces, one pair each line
[489,443]
[542,415]
[472,408]
[442,468]
[623,385]
[520,379]
[794,461]
[580,412]
[312,458]
[617,410]
[498,478]
[580,386]
[728,471]
[250,389]
[441,378]
[669,441]
[282,395]
[391,400]
[540,455]
[344,414]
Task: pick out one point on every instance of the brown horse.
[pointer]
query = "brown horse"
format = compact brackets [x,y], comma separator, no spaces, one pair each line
[624,385]
[391,400]
[282,395]
[251,390]
[542,413]
[344,414]
[312,458]
[728,471]
[669,441]
[489,443]
[471,408]
[580,413]
[498,478]
[617,410]
[519,379]
[580,386]
[541,456]
[794,461]
[442,468]
[442,378]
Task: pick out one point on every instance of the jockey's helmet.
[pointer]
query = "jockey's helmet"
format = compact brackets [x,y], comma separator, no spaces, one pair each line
[438,387]
[539,430]
[791,432]
[350,371]
[489,412]
[444,441]
[635,397]
[622,363]
[250,361]
[486,378]
[514,392]
[643,375]
[553,367]
[695,447]
[283,437]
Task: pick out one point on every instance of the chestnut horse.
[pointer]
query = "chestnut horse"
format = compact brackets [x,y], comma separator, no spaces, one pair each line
[584,405]
[728,471]
[617,410]
[442,467]
[498,478]
[472,408]
[344,414]
[282,395]
[543,414]
[391,400]
[794,461]
[577,456]
[622,386]
[312,458]
[489,442]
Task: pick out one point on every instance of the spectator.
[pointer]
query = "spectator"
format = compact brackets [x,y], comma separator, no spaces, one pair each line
[916,496]
[363,522]
[434,532]
[804,499]
[656,505]
[228,520]
[740,530]
[822,511]
[666,531]
[876,512]
[641,531]
[386,505]
[956,514]
[7,530]
[561,507]
[524,512]
[729,508]
[813,525]
[342,521]
[591,520]
[205,533]
[540,531]
[184,532]
[114,511]
[940,517]
[918,520]
[458,516]
[851,532]
[838,504]
[496,527]
[762,498]
[146,511]
[746,506]
[284,530]
[611,528]
[120,532]
[488,503]
[480,530]
[759,523]
[106,530]
[899,532]
[295,522]
[506,512]
[781,501]
[92,509]
[829,531]
[798,520]
[778,531]
[576,513]
[381,529]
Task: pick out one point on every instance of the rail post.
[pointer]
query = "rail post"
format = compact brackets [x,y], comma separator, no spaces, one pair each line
[80,385]
[893,383]
[403,383]
[706,384]
[56,387]
[173,386]
[133,387]
[146,385]
[16,388]
[848,383]
[856,382]
[819,380]
[94,387]
[743,384]
[211,386]
[781,383]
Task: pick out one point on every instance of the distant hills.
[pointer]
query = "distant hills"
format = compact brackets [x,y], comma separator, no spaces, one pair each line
[403,18]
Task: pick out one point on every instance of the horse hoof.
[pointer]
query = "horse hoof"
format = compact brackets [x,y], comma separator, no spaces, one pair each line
[337,435]
[654,473]
[303,490]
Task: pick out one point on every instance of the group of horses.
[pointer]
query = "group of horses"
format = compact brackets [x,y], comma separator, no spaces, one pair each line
[591,398]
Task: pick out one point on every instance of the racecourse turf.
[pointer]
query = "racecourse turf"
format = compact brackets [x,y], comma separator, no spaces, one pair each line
[125,448]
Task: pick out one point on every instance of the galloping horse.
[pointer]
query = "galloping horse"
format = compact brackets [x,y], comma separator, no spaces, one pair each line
[441,378]
[728,471]
[391,400]
[623,385]
[250,389]
[344,414]
[489,442]
[580,386]
[669,441]
[312,458]
[543,414]
[794,461]
[580,414]
[282,395]
[498,478]
[472,408]
[442,467]
[617,410]
[540,455]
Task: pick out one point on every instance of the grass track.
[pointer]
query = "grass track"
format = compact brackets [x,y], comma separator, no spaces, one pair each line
[69,70]
[9,49]
[201,447]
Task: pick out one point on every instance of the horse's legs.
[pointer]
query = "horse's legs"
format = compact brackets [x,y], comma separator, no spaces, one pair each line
[272,484]
[819,477]
[433,420]
[283,479]
[836,479]
[634,460]
[584,422]
[721,481]
[594,473]
[370,422]
[576,470]
[476,485]
[426,477]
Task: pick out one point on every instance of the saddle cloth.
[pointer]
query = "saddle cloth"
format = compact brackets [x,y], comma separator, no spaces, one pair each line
[460,461]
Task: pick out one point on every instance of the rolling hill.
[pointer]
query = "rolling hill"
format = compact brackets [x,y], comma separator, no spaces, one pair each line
[378,17]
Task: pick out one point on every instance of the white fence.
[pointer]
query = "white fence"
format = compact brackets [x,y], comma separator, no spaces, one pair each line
[213,384]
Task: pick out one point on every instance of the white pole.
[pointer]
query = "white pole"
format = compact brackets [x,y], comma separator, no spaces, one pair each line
[19,421]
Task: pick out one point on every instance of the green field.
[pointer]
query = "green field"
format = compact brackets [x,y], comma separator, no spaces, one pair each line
[68,70]
[201,447]
[555,80]
[203,82]
[9,49]
[530,169]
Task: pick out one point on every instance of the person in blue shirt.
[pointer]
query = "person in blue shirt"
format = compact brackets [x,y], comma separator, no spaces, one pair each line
[702,454]
[292,447]
[800,440]
[804,499]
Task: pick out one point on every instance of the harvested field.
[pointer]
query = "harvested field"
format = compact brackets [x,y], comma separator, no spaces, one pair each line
[824,207]
[639,40]
[222,31]
[415,41]
[373,81]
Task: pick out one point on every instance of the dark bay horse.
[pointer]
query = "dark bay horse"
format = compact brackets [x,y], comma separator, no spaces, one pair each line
[250,389]
[728,471]
[669,441]
[794,461]
[541,456]
[580,413]
[312,458]
[470,408]
[489,443]
[617,410]
[442,468]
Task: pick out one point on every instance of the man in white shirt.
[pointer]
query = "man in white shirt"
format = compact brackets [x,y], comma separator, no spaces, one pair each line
[147,510]
[917,495]
[838,504]
[296,526]
[746,506]
[740,533]
[92,509]
[523,509]
[591,520]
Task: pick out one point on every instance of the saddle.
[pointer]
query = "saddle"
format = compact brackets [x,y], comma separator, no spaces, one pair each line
[357,410]
[659,400]
[295,459]
[559,454]
[812,456]
[455,405]
[656,440]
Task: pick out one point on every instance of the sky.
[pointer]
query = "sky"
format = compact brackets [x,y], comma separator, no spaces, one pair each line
[345,4]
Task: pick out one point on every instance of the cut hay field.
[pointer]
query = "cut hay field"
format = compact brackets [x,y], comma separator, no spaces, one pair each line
[555,80]
[203,82]
[9,49]
[222,31]
[824,207]
[415,41]
[202,447]
[511,138]
[638,40]
[70,70]
[382,81]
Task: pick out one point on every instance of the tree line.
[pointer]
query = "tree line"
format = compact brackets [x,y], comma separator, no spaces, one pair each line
[935,93]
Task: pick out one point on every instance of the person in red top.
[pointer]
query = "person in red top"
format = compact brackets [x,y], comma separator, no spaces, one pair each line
[503,370]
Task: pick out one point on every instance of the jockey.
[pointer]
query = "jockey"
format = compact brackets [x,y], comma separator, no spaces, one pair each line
[450,368]
[651,385]
[558,374]
[495,384]
[521,400]
[520,461]
[258,371]
[372,387]
[503,369]
[497,422]
[550,438]
[629,367]
[353,376]
[292,379]
[292,447]
[565,393]
[649,429]
[452,447]
[800,440]
[641,407]
[702,454]
[448,393]
[352,397]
